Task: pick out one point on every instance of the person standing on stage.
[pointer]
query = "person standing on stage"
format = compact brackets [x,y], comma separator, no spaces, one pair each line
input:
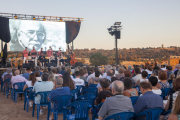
[34,55]
[25,53]
[50,52]
[60,56]
[42,58]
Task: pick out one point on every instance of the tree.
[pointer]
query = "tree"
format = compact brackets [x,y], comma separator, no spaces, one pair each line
[111,60]
[83,60]
[98,59]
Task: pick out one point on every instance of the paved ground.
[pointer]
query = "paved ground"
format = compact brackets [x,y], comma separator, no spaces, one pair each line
[9,110]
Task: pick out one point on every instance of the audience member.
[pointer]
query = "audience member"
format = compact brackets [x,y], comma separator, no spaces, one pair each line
[67,81]
[137,75]
[175,113]
[177,69]
[153,80]
[58,91]
[96,79]
[162,75]
[117,103]
[82,74]
[17,78]
[77,80]
[85,72]
[148,100]
[129,90]
[144,75]
[172,97]
[149,69]
[108,68]
[37,68]
[26,75]
[37,74]
[7,76]
[43,86]
[171,78]
[54,71]
[130,68]
[45,70]
[163,67]
[93,74]
[169,71]
[62,70]
[121,73]
[6,73]
[23,71]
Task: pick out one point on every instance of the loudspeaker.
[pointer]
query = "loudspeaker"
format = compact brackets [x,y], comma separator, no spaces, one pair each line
[118,34]
[25,65]
[51,64]
[78,64]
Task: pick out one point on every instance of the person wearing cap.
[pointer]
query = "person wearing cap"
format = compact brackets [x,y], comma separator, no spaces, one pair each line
[59,91]
[7,76]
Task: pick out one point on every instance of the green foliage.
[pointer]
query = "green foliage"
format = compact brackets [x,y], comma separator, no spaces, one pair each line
[98,59]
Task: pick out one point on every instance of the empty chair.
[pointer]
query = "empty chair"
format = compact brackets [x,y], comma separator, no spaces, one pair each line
[151,114]
[121,116]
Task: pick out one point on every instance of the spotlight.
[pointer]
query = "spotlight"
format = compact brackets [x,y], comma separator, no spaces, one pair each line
[61,19]
[44,18]
[34,18]
[15,16]
[79,20]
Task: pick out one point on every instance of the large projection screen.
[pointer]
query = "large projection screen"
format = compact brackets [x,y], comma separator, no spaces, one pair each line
[40,34]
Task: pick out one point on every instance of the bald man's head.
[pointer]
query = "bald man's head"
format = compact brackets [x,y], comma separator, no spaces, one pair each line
[118,86]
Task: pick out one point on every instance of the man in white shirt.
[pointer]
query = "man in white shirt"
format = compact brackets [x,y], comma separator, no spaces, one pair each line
[77,80]
[138,76]
[43,86]
[108,67]
[93,75]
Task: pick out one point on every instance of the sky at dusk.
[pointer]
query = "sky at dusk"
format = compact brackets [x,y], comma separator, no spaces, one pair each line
[145,23]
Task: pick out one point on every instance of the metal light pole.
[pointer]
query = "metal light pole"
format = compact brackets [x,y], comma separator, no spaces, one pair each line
[116,31]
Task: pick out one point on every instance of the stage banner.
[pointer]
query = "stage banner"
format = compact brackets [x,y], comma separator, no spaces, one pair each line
[72,30]
[4,29]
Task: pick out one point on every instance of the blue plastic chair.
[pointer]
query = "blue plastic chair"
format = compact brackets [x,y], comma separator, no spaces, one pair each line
[148,76]
[28,95]
[138,89]
[90,90]
[134,99]
[92,86]
[6,89]
[19,89]
[81,110]
[43,101]
[90,97]
[121,116]
[75,94]
[166,112]
[62,101]
[95,115]
[79,88]
[165,92]
[150,114]
[2,83]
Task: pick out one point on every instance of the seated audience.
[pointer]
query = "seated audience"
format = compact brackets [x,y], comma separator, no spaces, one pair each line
[175,113]
[153,80]
[163,67]
[82,74]
[7,76]
[17,78]
[108,68]
[31,81]
[67,81]
[77,79]
[37,74]
[121,73]
[23,71]
[169,71]
[144,75]
[26,75]
[137,75]
[117,103]
[58,91]
[148,100]
[43,86]
[130,68]
[162,75]
[172,96]
[177,69]
[171,78]
[37,68]
[96,79]
[129,90]
[149,69]
[62,70]
[45,70]
[92,75]
[54,71]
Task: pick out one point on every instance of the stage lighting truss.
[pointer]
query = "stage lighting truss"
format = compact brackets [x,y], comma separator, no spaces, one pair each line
[39,17]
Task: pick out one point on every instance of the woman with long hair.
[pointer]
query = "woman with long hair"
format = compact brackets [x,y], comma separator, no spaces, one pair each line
[175,113]
[31,81]
[67,81]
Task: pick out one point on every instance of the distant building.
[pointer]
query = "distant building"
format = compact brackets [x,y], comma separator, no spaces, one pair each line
[162,45]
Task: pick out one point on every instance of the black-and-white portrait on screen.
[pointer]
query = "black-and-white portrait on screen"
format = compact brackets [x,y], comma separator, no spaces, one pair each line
[40,34]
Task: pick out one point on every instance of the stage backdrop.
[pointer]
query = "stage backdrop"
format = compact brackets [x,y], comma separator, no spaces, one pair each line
[29,33]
